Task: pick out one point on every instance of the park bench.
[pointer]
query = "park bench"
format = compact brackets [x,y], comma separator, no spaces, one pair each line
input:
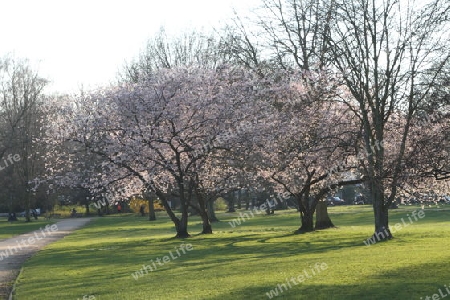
[78,215]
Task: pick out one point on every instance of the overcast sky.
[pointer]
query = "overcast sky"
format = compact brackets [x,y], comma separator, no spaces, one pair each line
[86,42]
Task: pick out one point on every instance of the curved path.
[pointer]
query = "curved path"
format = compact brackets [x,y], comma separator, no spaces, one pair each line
[16,250]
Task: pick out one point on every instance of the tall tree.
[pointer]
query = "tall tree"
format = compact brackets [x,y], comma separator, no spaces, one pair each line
[21,117]
[389,54]
[307,134]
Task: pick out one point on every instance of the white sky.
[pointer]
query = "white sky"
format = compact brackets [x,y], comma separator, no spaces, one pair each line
[78,43]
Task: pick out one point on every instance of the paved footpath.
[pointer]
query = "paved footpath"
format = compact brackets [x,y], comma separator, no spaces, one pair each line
[16,250]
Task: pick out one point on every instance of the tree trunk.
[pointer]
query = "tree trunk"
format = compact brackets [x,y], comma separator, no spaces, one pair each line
[323,220]
[254,202]
[87,209]
[27,206]
[231,203]
[239,199]
[203,210]
[182,226]
[381,212]
[306,214]
[182,229]
[247,202]
[207,228]
[307,222]
[151,210]
[211,212]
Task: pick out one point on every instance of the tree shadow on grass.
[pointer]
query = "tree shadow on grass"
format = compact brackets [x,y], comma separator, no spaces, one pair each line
[210,253]
[117,260]
[409,282]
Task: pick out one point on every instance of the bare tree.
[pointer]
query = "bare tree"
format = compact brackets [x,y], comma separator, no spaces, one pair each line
[390,53]
[189,49]
[21,118]
[290,34]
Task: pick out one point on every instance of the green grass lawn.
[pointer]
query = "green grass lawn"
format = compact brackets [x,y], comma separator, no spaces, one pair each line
[8,229]
[244,262]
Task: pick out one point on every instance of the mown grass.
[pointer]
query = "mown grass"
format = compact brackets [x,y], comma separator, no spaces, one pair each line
[10,229]
[244,262]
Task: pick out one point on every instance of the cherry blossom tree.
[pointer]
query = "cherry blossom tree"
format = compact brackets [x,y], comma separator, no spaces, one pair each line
[161,131]
[427,158]
[305,133]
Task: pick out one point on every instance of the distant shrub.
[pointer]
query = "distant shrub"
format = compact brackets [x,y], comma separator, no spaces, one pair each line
[221,204]
[136,202]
